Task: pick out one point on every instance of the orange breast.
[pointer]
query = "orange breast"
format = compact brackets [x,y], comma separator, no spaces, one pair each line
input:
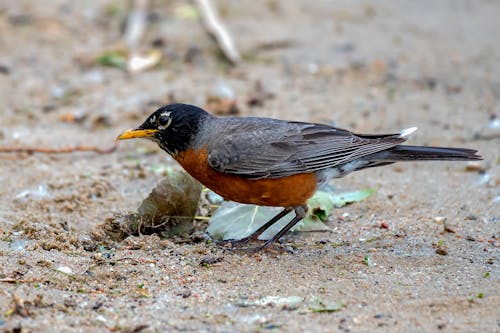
[284,192]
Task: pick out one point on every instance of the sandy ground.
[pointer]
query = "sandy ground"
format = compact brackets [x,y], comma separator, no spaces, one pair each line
[363,66]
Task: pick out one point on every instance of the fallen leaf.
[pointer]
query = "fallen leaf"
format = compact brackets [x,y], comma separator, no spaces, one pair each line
[116,59]
[235,221]
[187,12]
[168,210]
[327,308]
[343,199]
[139,62]
[175,200]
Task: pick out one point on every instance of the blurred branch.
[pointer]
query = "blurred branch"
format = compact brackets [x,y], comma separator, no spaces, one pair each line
[217,30]
[136,23]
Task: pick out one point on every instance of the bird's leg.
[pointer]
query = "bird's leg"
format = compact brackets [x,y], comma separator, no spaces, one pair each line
[255,235]
[300,213]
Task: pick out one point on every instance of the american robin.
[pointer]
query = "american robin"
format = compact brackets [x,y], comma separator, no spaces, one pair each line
[271,162]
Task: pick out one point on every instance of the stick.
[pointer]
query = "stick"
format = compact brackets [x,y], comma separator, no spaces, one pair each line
[217,30]
[66,150]
[16,281]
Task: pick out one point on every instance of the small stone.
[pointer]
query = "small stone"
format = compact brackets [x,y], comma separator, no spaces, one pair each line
[474,167]
[439,219]
[4,69]
[449,229]
[346,216]
[441,251]
[65,270]
[210,260]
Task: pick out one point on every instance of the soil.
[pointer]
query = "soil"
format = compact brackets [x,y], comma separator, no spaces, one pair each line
[421,254]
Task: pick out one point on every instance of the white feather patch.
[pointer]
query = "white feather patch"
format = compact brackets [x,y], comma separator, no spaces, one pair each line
[406,132]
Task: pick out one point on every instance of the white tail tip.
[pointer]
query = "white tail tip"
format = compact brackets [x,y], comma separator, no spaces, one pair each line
[406,132]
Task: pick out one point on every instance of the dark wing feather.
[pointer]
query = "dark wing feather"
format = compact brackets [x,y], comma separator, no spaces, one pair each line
[255,148]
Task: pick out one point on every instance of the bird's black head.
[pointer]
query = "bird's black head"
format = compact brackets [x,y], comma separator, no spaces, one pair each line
[172,126]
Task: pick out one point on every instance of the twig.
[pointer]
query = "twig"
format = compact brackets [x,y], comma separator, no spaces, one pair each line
[217,30]
[140,226]
[66,150]
[16,281]
[136,261]
[9,280]
[488,136]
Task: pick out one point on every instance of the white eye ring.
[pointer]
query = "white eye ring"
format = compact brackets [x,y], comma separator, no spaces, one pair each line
[164,121]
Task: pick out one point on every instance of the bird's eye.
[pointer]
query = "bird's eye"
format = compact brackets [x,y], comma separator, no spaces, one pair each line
[164,120]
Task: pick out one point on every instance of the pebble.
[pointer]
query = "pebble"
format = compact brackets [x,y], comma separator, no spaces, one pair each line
[57,92]
[441,251]
[312,68]
[474,167]
[223,90]
[494,123]
[483,179]
[65,270]
[439,219]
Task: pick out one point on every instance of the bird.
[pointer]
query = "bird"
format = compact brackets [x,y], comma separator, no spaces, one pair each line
[273,162]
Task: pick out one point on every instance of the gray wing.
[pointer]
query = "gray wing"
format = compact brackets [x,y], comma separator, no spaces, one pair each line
[275,148]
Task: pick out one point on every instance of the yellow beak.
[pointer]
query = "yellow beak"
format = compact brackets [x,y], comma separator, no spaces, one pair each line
[137,133]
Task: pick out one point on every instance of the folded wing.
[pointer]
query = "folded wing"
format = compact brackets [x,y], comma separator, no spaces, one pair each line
[279,148]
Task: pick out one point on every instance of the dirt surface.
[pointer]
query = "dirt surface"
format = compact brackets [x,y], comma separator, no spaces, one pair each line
[422,254]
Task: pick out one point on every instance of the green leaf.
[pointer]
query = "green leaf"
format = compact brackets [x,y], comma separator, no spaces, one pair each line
[327,308]
[187,11]
[319,306]
[322,204]
[343,199]
[113,59]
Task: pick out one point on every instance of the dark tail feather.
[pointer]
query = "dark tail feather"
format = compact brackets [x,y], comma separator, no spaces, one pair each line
[422,153]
